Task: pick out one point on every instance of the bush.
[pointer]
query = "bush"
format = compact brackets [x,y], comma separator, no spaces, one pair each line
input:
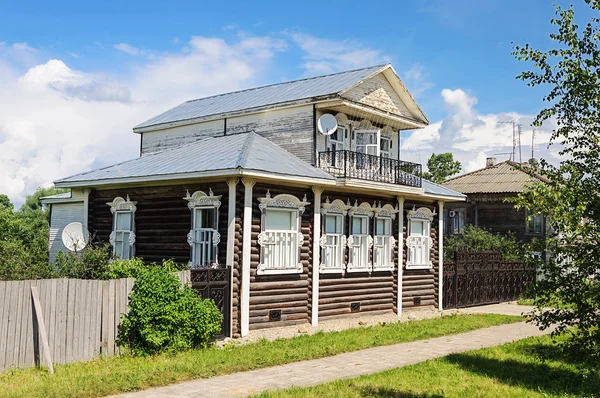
[163,316]
[475,239]
[90,263]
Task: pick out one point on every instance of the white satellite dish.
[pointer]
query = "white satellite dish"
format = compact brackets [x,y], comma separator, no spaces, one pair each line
[327,124]
[75,236]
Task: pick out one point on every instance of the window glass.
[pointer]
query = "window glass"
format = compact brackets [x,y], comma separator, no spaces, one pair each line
[280,220]
[382,226]
[205,218]
[123,220]
[359,225]
[417,228]
[333,224]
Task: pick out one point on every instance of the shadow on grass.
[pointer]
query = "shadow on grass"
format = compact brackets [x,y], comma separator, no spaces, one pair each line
[541,374]
[392,393]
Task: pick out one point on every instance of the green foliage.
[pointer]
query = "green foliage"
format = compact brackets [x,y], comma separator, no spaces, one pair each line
[571,276]
[90,263]
[33,202]
[119,268]
[23,243]
[475,239]
[441,167]
[163,316]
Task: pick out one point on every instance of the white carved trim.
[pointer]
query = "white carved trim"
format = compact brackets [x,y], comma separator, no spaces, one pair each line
[300,239]
[342,118]
[388,130]
[422,213]
[216,238]
[190,238]
[261,238]
[275,271]
[337,207]
[200,199]
[283,201]
[386,211]
[131,238]
[111,238]
[120,204]
[364,209]
[365,125]
[370,242]
[323,241]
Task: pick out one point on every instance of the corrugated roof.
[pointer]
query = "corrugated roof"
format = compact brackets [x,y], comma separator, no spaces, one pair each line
[437,189]
[261,96]
[502,178]
[247,151]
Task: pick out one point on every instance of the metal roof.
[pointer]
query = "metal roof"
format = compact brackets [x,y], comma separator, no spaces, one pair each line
[503,177]
[437,189]
[261,96]
[247,151]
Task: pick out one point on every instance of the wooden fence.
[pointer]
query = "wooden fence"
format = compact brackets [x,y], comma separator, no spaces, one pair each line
[81,319]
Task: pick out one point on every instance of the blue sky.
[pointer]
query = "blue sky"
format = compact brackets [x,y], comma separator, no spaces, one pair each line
[76,76]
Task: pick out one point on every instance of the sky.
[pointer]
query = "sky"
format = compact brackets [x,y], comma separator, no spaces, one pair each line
[76,76]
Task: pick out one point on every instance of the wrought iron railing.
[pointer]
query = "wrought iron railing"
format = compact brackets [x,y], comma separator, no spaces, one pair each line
[362,166]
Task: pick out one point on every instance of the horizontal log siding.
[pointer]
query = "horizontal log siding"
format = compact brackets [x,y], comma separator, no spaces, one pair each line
[374,291]
[288,293]
[162,219]
[421,283]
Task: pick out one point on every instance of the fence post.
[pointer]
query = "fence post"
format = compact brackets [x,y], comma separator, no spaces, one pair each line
[41,327]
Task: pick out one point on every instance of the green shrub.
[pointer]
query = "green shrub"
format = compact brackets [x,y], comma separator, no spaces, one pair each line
[475,239]
[163,316]
[89,263]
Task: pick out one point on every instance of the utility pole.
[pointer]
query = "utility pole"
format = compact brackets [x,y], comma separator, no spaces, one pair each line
[532,141]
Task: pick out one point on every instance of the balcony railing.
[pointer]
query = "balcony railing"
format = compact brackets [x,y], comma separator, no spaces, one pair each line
[349,164]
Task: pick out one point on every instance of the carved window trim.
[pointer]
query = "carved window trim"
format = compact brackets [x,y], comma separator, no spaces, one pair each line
[339,209]
[284,203]
[364,210]
[424,215]
[199,201]
[120,206]
[386,212]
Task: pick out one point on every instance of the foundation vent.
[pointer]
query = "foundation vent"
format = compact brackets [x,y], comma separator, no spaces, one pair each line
[274,315]
[417,300]
[354,307]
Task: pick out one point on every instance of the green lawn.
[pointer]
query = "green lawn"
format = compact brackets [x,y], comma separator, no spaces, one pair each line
[114,375]
[533,367]
[525,301]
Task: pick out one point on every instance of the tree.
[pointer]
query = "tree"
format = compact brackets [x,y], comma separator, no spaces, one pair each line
[33,202]
[570,282]
[441,167]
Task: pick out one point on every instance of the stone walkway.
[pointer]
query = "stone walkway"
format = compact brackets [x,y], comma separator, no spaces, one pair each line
[348,365]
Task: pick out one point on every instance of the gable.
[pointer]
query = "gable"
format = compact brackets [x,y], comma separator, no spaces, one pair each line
[378,92]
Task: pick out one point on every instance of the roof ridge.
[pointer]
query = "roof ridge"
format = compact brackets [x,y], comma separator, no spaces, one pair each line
[287,82]
[245,149]
[474,171]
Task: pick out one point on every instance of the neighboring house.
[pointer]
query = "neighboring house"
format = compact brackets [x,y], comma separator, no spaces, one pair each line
[486,207]
[313,226]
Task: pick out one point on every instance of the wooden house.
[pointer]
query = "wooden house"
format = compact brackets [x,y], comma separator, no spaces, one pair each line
[487,191]
[313,226]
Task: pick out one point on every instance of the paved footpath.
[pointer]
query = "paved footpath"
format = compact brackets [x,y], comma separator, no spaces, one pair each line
[353,364]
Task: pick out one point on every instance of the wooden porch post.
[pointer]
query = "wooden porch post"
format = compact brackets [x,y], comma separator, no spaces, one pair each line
[440,253]
[246,245]
[316,255]
[231,205]
[400,258]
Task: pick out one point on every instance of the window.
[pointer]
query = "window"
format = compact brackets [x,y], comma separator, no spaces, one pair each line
[534,223]
[122,237]
[337,142]
[456,221]
[383,243]
[386,147]
[359,242]
[204,237]
[281,239]
[419,240]
[333,239]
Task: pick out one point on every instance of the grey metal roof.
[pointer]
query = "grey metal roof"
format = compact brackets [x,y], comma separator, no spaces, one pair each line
[248,151]
[261,96]
[505,177]
[437,189]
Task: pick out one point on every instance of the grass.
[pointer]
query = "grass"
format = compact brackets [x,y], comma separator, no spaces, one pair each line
[122,374]
[525,301]
[533,367]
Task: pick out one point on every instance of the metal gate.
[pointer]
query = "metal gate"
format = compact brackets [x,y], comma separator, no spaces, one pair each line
[483,278]
[215,284]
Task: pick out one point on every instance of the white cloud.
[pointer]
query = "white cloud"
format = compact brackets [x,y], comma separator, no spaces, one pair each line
[416,80]
[472,136]
[129,49]
[56,121]
[328,56]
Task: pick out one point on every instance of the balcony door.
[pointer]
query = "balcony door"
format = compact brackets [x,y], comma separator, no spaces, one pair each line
[366,145]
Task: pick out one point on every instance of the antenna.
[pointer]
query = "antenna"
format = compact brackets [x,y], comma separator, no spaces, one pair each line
[516,138]
[75,237]
[519,141]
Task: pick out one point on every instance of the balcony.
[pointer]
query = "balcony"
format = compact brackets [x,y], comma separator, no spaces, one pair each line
[349,164]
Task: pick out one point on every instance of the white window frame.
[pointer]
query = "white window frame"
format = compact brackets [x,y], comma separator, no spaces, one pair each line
[385,154]
[383,246]
[359,245]
[209,245]
[453,228]
[367,147]
[336,159]
[118,207]
[419,242]
[333,246]
[530,217]
[270,241]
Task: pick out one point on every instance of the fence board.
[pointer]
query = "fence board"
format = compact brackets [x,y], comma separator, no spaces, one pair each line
[27,350]
[18,318]
[4,295]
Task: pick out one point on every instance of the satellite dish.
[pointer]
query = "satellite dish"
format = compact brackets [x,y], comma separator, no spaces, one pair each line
[75,236]
[327,124]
